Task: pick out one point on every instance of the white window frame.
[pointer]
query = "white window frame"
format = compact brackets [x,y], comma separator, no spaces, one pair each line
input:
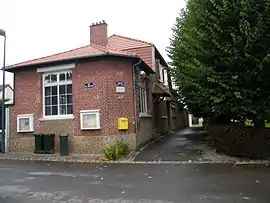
[31,122]
[58,83]
[90,112]
[163,77]
[160,73]
[143,94]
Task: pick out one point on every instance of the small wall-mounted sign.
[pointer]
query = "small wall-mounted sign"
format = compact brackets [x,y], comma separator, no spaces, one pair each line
[89,85]
[120,84]
[120,89]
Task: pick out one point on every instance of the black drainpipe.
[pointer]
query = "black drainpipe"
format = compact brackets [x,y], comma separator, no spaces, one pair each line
[135,100]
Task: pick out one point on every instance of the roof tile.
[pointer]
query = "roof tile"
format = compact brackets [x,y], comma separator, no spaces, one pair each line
[123,43]
[116,45]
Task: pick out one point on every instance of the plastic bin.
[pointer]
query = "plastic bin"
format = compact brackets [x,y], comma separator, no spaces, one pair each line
[64,145]
[39,146]
[48,143]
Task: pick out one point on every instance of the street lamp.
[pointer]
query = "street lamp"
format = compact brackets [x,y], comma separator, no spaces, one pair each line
[3,34]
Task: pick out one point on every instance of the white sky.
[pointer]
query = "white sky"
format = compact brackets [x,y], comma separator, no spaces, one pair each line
[37,28]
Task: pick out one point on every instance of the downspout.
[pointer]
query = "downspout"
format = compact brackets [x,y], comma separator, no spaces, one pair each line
[135,100]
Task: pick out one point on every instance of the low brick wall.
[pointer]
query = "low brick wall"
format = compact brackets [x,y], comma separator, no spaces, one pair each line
[77,144]
[240,141]
[22,144]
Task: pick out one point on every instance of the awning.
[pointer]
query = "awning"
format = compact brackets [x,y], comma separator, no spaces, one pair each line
[160,90]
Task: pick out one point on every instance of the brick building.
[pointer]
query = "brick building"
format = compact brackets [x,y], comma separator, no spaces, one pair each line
[83,92]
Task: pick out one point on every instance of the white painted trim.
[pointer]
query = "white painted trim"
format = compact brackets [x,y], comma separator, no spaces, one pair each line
[165,77]
[85,112]
[54,117]
[153,58]
[90,111]
[31,122]
[145,115]
[62,117]
[56,68]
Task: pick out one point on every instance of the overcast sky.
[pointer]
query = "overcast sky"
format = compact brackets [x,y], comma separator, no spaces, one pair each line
[37,28]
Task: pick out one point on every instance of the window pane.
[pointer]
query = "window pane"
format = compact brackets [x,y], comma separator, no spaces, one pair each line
[54,90]
[89,121]
[24,124]
[69,75]
[48,101]
[69,109]
[47,79]
[48,111]
[62,77]
[69,89]
[54,100]
[63,99]
[54,110]
[69,99]
[62,89]
[142,100]
[48,91]
[53,78]
[63,109]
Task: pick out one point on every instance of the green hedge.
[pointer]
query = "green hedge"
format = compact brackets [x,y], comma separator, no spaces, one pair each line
[240,141]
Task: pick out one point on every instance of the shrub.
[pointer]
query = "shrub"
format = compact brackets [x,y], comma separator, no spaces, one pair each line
[116,151]
[240,141]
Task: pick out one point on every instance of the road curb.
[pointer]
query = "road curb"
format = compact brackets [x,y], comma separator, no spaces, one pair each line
[89,161]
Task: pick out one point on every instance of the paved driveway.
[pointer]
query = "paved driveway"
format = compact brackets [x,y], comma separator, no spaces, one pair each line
[184,145]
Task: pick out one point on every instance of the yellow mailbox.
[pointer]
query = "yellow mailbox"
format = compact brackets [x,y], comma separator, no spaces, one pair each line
[122,123]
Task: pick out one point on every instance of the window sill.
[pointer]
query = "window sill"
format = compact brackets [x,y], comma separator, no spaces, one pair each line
[25,131]
[145,115]
[84,129]
[57,118]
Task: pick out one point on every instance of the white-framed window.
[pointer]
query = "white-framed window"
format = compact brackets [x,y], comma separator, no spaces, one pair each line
[163,75]
[143,96]
[90,119]
[57,94]
[25,123]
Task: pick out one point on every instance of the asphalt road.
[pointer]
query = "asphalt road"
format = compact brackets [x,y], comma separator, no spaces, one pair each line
[41,182]
[184,145]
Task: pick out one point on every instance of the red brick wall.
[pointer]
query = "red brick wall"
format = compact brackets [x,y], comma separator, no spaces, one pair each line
[103,96]
[27,95]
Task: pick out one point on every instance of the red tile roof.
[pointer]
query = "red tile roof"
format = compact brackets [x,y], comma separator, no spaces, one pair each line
[116,45]
[89,50]
[124,43]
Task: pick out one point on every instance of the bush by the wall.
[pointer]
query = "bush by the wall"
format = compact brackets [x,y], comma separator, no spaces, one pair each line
[116,151]
[240,141]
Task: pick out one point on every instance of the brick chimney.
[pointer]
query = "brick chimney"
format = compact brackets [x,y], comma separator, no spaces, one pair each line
[98,33]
